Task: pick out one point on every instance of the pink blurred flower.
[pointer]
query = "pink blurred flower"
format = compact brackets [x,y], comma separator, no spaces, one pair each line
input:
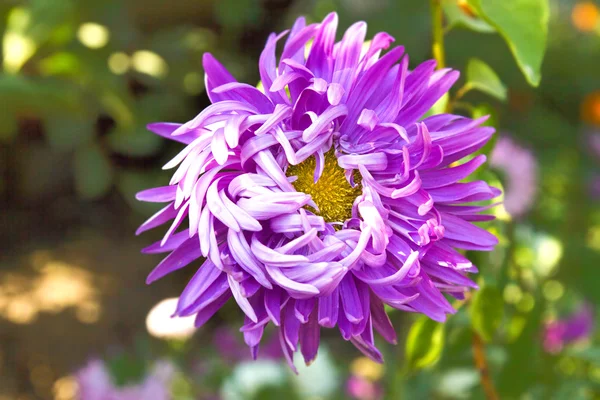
[520,170]
[578,326]
[360,388]
[95,383]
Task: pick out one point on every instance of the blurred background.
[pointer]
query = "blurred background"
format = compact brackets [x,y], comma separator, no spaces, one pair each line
[81,79]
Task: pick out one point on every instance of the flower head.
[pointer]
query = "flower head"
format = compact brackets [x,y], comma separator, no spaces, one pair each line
[327,195]
[520,169]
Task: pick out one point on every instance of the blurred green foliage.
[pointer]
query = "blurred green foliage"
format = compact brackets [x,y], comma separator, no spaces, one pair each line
[92,80]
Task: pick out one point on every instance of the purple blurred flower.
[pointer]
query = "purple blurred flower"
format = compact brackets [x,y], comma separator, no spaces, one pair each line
[594,143]
[326,197]
[361,388]
[578,326]
[520,169]
[593,138]
[595,187]
[95,383]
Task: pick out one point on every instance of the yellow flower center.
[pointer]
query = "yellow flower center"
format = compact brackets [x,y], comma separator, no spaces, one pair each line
[331,193]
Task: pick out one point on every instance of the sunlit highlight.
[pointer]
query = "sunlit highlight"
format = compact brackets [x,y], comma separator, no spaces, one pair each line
[160,323]
[119,63]
[150,63]
[93,35]
[17,50]
[58,286]
[193,83]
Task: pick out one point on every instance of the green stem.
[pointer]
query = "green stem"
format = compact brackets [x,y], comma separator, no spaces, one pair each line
[481,364]
[454,103]
[437,21]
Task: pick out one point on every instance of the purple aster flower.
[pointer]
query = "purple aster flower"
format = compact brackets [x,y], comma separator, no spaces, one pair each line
[326,196]
[576,327]
[95,383]
[520,169]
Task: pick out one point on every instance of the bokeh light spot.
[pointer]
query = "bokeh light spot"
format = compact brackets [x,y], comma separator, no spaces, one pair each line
[65,388]
[21,310]
[516,326]
[526,303]
[590,108]
[150,63]
[501,214]
[57,287]
[161,324]
[199,39]
[367,369]
[193,83]
[512,293]
[585,16]
[18,49]
[549,251]
[553,290]
[567,365]
[119,63]
[88,312]
[524,256]
[93,35]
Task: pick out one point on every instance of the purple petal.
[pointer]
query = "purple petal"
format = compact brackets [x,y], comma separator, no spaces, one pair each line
[309,339]
[351,300]
[381,321]
[241,300]
[182,256]
[328,309]
[207,312]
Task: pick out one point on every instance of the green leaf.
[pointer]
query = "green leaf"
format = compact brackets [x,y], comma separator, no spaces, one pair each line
[93,172]
[457,17]
[482,110]
[524,26]
[487,311]
[424,343]
[482,77]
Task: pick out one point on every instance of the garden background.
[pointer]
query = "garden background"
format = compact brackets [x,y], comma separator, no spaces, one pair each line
[81,79]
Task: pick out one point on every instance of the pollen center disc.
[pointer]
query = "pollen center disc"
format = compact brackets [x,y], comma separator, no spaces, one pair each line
[332,193]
